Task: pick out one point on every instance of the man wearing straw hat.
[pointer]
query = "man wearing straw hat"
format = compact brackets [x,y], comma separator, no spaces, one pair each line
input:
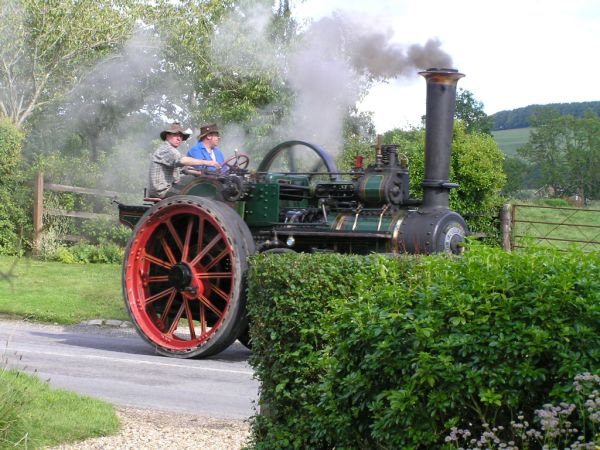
[166,164]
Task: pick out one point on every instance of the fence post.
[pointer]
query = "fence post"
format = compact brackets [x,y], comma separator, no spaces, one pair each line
[506,224]
[38,212]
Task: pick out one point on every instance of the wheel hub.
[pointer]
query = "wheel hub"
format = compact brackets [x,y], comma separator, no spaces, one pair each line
[180,276]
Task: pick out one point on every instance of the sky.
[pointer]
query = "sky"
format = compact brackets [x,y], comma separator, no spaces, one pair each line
[513,53]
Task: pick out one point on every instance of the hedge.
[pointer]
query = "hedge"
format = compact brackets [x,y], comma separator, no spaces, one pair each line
[384,352]
[14,221]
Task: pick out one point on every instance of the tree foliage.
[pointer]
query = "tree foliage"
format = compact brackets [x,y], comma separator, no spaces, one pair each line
[519,175]
[566,150]
[470,111]
[46,46]
[14,200]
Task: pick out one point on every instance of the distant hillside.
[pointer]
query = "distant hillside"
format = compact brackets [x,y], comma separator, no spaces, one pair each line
[510,140]
[519,118]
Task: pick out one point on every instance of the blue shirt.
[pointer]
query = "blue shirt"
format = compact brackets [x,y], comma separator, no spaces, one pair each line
[199,151]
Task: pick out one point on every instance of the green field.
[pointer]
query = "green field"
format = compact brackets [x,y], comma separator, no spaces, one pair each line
[537,225]
[510,140]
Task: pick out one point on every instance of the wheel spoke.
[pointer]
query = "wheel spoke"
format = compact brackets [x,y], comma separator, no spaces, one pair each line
[170,291]
[166,310]
[157,279]
[202,318]
[220,292]
[209,275]
[188,235]
[190,318]
[167,248]
[206,249]
[206,302]
[218,258]
[176,237]
[176,320]
[200,234]
[154,260]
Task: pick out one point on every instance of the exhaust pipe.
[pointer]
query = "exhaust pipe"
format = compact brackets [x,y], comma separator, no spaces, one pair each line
[439,122]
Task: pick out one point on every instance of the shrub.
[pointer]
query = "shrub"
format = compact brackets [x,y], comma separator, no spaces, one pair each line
[14,196]
[82,252]
[374,352]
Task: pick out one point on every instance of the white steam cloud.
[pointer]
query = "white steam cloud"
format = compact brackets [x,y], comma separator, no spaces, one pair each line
[327,70]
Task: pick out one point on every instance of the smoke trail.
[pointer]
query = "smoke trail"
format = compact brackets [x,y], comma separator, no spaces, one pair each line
[329,69]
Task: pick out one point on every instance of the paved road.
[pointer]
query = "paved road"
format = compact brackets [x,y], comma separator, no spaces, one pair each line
[118,366]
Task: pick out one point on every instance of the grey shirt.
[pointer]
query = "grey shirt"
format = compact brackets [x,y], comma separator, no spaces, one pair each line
[164,170]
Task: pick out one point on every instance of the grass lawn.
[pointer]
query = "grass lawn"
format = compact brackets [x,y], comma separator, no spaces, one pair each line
[33,415]
[61,293]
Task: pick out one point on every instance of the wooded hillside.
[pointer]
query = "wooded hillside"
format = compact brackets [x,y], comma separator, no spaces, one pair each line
[520,117]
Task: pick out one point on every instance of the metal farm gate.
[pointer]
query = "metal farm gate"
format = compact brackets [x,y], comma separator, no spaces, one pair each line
[562,228]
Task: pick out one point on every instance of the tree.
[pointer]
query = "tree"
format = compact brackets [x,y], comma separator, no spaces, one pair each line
[583,155]
[519,175]
[566,150]
[545,148]
[470,111]
[46,47]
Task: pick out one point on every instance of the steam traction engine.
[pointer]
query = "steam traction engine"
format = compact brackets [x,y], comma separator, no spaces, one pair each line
[185,265]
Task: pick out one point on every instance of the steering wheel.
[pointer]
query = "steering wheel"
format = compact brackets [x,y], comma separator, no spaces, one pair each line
[239,161]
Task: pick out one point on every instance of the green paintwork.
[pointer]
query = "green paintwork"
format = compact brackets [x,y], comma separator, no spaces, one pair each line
[203,190]
[262,207]
[373,192]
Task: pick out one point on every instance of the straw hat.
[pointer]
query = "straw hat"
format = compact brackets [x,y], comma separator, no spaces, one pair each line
[175,128]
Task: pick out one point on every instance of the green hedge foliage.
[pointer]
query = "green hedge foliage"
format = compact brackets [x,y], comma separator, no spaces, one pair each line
[15,196]
[381,352]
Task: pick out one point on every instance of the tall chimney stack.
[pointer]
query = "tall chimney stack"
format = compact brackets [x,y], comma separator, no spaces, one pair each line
[441,104]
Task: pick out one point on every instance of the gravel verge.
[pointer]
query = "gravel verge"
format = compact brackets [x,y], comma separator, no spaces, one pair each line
[145,429]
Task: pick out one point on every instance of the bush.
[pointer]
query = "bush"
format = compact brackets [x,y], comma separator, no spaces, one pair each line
[371,352]
[15,197]
[82,252]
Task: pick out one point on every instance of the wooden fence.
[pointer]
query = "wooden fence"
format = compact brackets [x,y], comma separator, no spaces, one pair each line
[39,210]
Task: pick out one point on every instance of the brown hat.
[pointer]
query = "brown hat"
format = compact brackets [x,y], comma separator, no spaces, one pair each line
[174,128]
[207,129]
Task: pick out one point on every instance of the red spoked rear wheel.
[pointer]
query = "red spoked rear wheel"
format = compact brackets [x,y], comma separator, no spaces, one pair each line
[184,276]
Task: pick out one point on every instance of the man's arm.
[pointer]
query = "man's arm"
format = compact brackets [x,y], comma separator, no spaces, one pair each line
[189,161]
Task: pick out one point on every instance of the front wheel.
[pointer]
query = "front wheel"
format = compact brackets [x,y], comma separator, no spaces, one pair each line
[184,276]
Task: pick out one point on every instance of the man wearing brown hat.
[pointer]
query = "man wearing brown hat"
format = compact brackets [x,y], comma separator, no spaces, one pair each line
[206,148]
[166,164]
